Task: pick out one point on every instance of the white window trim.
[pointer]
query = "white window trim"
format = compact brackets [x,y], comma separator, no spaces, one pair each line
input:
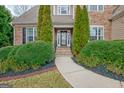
[33,33]
[88,8]
[54,12]
[73,11]
[58,13]
[97,27]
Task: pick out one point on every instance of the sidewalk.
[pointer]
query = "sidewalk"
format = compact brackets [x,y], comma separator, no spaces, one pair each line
[80,77]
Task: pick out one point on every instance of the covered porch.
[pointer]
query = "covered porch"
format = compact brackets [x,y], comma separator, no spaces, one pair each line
[62,37]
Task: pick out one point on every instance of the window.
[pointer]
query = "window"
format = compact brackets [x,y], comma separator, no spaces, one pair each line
[30,34]
[98,8]
[93,7]
[96,33]
[63,10]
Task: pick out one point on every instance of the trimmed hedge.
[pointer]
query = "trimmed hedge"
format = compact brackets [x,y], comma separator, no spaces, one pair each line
[4,52]
[28,56]
[108,53]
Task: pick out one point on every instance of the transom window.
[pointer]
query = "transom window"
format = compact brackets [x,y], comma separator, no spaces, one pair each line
[63,10]
[96,33]
[30,34]
[95,8]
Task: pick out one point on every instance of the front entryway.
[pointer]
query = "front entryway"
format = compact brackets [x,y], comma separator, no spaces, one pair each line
[63,38]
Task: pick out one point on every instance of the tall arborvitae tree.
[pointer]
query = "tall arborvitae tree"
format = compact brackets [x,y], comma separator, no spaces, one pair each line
[39,24]
[5,27]
[81,30]
[45,24]
[76,31]
[84,27]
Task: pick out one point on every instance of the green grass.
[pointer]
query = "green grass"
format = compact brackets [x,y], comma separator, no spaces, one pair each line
[51,79]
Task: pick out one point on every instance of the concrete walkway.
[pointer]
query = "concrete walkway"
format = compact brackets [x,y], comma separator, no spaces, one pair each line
[80,77]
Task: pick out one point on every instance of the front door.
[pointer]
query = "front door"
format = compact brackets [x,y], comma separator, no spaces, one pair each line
[63,38]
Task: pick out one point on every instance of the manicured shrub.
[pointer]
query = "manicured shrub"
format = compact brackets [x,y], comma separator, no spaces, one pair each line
[7,57]
[4,52]
[88,61]
[34,54]
[28,56]
[108,53]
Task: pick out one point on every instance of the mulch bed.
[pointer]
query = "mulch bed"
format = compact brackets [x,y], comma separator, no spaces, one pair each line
[102,71]
[27,73]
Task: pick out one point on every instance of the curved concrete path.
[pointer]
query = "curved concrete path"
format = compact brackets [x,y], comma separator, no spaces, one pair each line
[80,77]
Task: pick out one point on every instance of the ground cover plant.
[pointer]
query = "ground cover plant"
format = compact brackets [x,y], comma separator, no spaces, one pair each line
[106,53]
[28,56]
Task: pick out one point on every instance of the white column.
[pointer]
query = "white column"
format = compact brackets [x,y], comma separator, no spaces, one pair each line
[73,11]
[68,39]
[58,39]
[54,9]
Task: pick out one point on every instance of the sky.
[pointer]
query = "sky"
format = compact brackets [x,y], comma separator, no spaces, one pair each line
[10,7]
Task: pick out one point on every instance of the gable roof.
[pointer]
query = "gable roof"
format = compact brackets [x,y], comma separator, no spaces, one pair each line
[29,17]
[118,12]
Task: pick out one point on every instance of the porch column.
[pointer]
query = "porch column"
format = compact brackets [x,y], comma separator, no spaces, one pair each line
[58,38]
[53,36]
[73,11]
[68,38]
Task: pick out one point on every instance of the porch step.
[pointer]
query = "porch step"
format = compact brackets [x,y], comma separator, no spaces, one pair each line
[63,51]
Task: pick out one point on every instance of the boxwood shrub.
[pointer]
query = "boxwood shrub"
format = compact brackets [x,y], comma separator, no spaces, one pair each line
[108,53]
[28,56]
[4,52]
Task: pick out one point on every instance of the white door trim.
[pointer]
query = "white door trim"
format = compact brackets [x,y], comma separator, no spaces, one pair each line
[68,38]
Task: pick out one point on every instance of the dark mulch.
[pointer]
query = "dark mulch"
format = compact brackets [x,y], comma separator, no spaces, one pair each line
[102,71]
[11,75]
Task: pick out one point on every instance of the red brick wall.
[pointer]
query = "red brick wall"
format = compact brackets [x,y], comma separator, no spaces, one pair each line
[18,33]
[102,18]
[96,18]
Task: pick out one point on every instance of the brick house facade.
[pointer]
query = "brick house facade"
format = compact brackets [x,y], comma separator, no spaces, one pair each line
[63,18]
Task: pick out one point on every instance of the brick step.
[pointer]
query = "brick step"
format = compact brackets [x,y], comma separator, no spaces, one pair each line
[63,51]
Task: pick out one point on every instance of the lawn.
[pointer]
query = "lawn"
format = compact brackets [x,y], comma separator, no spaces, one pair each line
[50,79]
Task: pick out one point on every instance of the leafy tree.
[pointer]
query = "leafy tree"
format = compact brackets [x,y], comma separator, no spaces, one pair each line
[81,30]
[44,24]
[5,27]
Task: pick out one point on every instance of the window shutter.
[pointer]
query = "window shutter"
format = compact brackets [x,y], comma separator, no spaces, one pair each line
[24,35]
